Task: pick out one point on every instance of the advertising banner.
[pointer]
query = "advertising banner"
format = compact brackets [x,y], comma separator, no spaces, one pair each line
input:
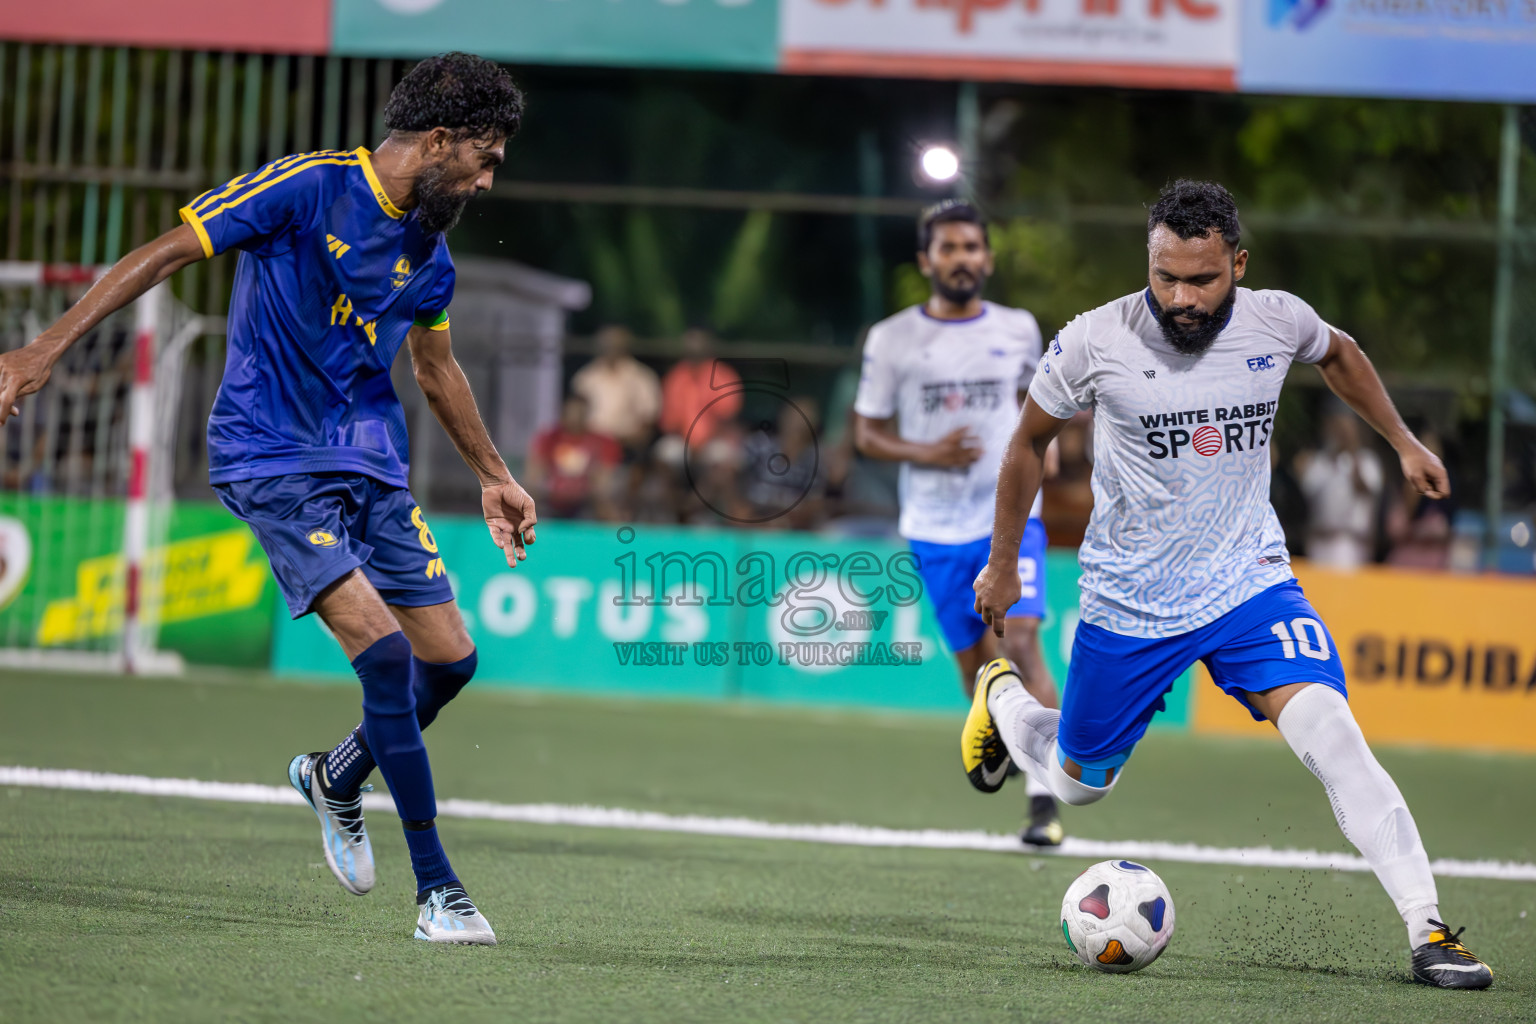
[61,580]
[1436,49]
[1151,43]
[739,34]
[264,26]
[771,616]
[1431,659]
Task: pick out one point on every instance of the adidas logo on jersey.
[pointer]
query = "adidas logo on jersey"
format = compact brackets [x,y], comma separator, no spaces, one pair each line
[337,247]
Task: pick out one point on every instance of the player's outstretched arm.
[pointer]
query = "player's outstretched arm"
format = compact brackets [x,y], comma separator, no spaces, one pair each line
[25,370]
[1348,371]
[509,511]
[997,587]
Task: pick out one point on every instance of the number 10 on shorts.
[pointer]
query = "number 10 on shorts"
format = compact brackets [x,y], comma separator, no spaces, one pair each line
[1305,633]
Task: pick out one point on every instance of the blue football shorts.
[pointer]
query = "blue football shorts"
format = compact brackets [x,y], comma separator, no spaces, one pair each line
[948,570]
[1116,683]
[317,527]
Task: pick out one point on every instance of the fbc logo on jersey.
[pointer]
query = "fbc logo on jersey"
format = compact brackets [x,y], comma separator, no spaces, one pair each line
[1209,432]
[1258,363]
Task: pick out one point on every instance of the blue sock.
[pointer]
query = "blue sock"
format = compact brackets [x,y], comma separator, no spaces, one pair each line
[390,728]
[436,685]
[349,764]
[427,858]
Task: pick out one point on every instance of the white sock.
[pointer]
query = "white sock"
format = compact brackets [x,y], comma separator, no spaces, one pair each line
[1034,787]
[1320,728]
[1028,730]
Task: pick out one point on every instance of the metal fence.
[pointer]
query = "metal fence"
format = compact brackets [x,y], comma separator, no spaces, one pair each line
[99,147]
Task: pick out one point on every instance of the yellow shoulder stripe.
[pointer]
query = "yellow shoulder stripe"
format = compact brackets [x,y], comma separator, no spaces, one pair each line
[205,201]
[210,213]
[190,216]
[208,197]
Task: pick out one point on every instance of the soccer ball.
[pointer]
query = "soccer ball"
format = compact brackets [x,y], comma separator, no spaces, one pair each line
[1117,916]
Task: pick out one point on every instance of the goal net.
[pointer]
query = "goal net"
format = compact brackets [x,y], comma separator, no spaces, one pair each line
[86,479]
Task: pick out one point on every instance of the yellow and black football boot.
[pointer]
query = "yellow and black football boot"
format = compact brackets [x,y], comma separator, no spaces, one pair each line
[982,753]
[1445,963]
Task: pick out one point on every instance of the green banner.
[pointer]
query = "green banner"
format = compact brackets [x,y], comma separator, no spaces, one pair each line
[648,610]
[61,580]
[732,34]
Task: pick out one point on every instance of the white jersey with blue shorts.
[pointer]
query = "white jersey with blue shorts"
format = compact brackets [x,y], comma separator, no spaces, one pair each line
[1184,558]
[936,376]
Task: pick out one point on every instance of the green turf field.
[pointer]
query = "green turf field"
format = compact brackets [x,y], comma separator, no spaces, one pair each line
[131,907]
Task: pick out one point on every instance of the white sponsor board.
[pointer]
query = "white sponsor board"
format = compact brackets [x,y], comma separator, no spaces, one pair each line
[1167,43]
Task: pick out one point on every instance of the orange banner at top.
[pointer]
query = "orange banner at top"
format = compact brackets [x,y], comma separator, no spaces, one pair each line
[1431,659]
[268,26]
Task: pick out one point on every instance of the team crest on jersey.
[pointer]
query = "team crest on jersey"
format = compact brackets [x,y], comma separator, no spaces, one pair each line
[322,539]
[401,272]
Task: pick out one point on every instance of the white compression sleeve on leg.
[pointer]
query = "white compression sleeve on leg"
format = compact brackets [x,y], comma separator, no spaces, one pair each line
[1320,728]
[1028,730]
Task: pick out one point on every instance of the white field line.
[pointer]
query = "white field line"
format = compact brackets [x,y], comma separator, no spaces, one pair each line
[747,828]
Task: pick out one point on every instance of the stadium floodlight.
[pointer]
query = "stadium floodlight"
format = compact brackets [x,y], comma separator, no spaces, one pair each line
[939,164]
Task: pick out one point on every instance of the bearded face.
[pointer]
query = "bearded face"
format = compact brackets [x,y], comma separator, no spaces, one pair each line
[440,197]
[1191,330]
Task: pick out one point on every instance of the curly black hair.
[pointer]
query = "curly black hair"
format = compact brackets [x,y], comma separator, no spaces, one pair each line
[474,97]
[950,211]
[1190,209]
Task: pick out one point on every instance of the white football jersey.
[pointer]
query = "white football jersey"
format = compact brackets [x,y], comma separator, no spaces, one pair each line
[937,375]
[1182,529]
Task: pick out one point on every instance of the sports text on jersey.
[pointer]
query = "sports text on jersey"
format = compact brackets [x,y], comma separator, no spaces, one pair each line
[962,394]
[1250,422]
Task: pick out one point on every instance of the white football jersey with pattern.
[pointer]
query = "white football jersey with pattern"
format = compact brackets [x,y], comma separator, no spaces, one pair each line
[1182,529]
[937,375]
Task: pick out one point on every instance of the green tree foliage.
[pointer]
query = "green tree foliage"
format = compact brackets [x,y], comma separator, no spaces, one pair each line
[1376,212]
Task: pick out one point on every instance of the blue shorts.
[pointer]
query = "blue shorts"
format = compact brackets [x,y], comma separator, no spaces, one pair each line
[948,570]
[317,527]
[1116,683]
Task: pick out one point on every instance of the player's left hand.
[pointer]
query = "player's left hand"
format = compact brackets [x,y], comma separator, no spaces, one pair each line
[1423,469]
[511,517]
[997,590]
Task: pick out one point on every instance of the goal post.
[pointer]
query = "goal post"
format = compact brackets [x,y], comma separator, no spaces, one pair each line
[86,481]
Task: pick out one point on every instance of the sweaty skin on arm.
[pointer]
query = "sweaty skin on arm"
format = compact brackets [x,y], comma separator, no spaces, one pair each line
[997,587]
[26,369]
[1349,373]
[509,511]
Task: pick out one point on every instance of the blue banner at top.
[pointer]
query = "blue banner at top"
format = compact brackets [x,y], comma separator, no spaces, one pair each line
[1431,49]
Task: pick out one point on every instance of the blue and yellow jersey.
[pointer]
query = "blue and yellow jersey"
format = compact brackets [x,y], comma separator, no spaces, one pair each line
[331,277]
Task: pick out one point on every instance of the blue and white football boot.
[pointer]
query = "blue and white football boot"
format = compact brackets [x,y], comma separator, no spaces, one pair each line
[347,849]
[447,915]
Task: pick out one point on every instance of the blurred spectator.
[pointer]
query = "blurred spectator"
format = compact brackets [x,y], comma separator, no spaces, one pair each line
[1069,489]
[570,467]
[710,489]
[1341,483]
[784,476]
[1419,528]
[1289,503]
[698,395]
[836,444]
[623,393]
